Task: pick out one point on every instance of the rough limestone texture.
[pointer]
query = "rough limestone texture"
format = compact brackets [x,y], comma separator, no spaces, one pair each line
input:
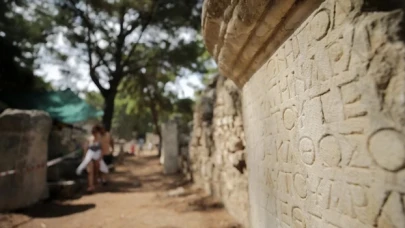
[62,141]
[201,144]
[217,148]
[170,147]
[324,120]
[23,147]
[242,35]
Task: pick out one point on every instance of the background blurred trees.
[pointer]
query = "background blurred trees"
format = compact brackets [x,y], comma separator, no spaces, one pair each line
[127,39]
[21,35]
[132,50]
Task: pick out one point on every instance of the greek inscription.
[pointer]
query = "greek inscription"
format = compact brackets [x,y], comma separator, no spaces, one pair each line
[389,156]
[290,118]
[298,218]
[329,150]
[342,10]
[392,212]
[320,24]
[334,151]
[300,185]
[307,149]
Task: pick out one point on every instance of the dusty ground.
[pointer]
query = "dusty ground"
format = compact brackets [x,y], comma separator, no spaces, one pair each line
[124,204]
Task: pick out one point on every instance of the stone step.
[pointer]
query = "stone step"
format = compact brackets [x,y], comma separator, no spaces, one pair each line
[65,189]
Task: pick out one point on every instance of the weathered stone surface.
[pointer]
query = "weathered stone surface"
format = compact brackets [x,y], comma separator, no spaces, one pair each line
[170,147]
[64,140]
[241,35]
[24,147]
[324,123]
[323,105]
[217,152]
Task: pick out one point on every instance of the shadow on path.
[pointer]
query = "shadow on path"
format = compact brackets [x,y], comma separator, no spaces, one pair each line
[54,209]
[154,200]
[141,174]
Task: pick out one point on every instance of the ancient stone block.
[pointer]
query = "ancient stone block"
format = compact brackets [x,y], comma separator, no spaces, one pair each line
[24,148]
[170,147]
[323,105]
[241,35]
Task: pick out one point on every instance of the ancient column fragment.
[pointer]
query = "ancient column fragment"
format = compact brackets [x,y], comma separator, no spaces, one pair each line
[170,147]
[324,107]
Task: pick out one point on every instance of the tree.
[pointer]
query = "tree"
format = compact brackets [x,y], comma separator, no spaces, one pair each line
[117,39]
[20,36]
[148,88]
[94,99]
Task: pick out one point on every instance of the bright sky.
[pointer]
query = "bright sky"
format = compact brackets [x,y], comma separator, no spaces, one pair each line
[51,71]
[50,68]
[184,86]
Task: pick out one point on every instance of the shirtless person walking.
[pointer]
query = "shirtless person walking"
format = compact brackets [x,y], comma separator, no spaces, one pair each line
[93,158]
[107,149]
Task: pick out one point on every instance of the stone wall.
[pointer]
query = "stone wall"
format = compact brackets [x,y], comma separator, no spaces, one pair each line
[23,147]
[324,114]
[217,147]
[62,141]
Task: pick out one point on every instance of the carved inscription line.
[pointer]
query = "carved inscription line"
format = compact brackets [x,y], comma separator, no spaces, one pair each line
[323,140]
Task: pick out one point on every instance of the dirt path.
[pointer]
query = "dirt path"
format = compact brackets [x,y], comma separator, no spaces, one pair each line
[124,204]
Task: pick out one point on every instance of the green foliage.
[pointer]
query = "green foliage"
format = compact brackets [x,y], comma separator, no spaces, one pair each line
[20,34]
[126,120]
[95,99]
[142,104]
[144,40]
[184,106]
[40,85]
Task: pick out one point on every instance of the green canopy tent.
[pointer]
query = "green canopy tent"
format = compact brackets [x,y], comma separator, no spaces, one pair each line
[63,106]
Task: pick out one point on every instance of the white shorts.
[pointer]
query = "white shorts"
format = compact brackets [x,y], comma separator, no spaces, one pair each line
[92,156]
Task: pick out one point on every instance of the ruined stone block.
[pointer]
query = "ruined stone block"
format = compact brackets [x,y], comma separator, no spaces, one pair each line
[24,148]
[323,107]
[170,148]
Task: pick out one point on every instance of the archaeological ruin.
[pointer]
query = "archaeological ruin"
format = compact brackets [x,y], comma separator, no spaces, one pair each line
[323,100]
[24,147]
[217,147]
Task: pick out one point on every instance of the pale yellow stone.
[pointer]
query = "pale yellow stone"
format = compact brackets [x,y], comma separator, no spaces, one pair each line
[241,35]
[323,111]
[338,150]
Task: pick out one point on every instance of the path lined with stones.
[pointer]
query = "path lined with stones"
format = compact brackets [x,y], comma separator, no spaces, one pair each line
[124,204]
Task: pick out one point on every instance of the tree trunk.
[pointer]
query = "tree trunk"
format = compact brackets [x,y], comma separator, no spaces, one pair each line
[109,103]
